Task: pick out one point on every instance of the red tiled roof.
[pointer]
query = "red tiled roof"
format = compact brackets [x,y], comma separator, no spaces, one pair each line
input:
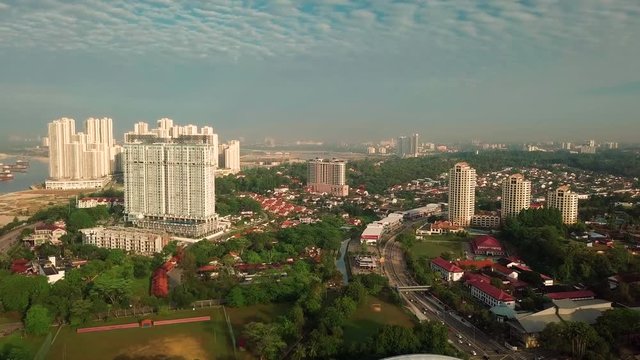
[472,277]
[486,242]
[577,294]
[492,291]
[448,266]
[502,269]
[478,264]
[207,268]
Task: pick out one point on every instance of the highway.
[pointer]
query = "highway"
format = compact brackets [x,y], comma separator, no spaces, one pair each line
[463,335]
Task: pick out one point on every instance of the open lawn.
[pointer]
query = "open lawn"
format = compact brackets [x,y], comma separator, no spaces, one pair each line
[204,340]
[434,249]
[366,321]
[32,343]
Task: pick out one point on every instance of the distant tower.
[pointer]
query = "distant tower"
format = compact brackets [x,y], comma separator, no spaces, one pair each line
[566,201]
[462,193]
[327,176]
[415,145]
[516,195]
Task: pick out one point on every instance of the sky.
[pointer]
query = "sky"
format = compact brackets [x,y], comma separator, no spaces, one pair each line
[333,70]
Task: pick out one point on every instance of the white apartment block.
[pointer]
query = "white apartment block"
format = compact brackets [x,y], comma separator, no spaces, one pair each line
[462,193]
[138,241]
[169,177]
[327,176]
[77,160]
[229,156]
[486,221]
[516,195]
[566,201]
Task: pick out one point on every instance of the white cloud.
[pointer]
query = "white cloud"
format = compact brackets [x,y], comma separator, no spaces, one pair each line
[233,29]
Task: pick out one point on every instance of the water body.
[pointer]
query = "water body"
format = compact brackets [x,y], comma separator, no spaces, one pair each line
[340,262]
[36,174]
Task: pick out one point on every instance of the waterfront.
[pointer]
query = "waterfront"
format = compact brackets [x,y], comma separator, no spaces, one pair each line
[36,174]
[341,261]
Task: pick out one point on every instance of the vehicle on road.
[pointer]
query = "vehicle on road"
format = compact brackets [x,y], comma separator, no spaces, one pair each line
[473,352]
[459,341]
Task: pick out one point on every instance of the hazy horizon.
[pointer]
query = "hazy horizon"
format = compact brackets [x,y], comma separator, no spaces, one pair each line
[497,71]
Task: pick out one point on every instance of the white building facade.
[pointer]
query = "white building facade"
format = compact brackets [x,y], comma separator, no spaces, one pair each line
[516,195]
[462,194]
[566,201]
[139,241]
[169,177]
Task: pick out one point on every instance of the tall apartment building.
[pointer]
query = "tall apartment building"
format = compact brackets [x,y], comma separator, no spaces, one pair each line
[139,241]
[80,160]
[407,146]
[516,195]
[327,176]
[462,193]
[229,156]
[169,178]
[566,201]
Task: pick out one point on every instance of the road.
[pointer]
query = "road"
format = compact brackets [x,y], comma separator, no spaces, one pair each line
[9,239]
[463,335]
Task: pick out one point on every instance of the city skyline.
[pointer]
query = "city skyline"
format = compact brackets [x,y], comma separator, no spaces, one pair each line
[340,70]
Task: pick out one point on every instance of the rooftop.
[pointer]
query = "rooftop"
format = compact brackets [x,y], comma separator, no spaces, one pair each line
[448,266]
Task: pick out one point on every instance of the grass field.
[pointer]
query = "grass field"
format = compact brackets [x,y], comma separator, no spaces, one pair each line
[205,340]
[434,249]
[366,322]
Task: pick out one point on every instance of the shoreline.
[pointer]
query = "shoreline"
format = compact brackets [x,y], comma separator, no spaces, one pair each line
[42,159]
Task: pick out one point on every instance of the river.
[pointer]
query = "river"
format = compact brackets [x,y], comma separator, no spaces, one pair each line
[36,174]
[341,263]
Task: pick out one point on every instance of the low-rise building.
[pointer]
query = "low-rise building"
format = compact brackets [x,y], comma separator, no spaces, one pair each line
[486,245]
[139,241]
[438,228]
[490,295]
[486,221]
[447,270]
[48,233]
[372,234]
[526,327]
[91,202]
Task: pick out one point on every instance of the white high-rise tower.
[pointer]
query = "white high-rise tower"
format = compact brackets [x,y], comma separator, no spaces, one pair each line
[516,195]
[566,201]
[462,193]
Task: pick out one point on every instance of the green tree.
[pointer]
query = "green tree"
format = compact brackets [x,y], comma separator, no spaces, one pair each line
[38,321]
[263,340]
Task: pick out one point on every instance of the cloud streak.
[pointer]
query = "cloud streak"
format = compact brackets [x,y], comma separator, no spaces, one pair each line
[263,29]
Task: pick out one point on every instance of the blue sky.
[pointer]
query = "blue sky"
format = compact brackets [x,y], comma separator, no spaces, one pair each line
[332,70]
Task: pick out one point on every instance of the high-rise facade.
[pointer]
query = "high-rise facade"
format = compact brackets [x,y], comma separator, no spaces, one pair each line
[516,195]
[80,160]
[414,145]
[229,156]
[327,176]
[169,178]
[566,201]
[462,193]
[408,146]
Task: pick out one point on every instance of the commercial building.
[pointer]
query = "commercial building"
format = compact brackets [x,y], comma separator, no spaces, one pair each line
[81,160]
[566,201]
[408,146]
[462,193]
[374,231]
[526,327]
[169,175]
[447,270]
[516,195]
[327,176]
[139,241]
[229,156]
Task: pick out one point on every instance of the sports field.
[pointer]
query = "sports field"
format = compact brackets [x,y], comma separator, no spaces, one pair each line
[367,320]
[203,340]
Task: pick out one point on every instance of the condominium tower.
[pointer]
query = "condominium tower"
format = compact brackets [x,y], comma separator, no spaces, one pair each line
[566,201]
[516,195]
[327,176]
[407,146]
[229,156]
[169,178]
[81,160]
[462,193]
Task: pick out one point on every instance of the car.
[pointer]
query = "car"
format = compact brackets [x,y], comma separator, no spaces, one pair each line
[473,352]
[469,343]
[459,341]
[459,336]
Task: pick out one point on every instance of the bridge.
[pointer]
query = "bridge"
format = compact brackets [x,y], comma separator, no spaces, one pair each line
[413,288]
